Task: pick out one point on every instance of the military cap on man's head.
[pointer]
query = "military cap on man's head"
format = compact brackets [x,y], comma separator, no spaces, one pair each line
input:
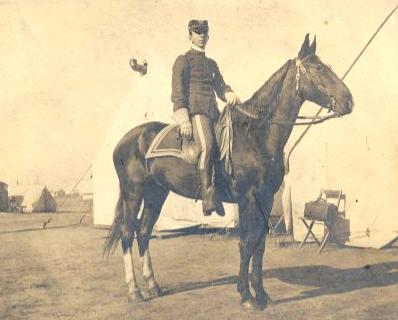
[198,26]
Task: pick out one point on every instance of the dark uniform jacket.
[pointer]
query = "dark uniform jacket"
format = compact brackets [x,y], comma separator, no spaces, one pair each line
[195,79]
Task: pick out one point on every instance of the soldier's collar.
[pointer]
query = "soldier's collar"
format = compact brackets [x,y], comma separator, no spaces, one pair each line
[197,48]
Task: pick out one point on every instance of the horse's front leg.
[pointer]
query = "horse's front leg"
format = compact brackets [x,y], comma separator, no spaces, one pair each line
[252,227]
[265,202]
[243,280]
[262,297]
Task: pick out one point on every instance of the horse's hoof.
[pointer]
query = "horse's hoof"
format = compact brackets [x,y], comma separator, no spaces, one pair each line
[263,301]
[153,292]
[250,304]
[135,297]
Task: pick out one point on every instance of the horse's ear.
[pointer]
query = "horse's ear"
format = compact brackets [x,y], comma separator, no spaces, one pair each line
[313,46]
[304,47]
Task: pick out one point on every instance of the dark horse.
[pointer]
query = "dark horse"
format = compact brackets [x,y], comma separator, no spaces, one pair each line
[261,128]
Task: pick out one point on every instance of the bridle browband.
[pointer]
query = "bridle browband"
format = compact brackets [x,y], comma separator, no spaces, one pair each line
[301,70]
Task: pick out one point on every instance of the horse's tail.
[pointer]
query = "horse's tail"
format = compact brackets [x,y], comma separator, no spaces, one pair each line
[115,229]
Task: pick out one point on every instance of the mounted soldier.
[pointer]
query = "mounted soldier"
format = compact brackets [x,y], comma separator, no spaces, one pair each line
[195,81]
[257,156]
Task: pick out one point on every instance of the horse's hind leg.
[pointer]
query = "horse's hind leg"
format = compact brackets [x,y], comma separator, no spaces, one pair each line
[132,203]
[154,197]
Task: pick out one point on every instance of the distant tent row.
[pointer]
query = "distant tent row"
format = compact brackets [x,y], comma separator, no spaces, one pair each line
[34,198]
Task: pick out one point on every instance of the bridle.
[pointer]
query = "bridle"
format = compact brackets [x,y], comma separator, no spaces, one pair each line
[301,70]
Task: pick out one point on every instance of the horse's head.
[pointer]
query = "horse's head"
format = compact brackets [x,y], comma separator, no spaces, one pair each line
[316,81]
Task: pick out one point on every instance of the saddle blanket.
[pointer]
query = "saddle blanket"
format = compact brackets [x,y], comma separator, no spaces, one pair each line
[169,143]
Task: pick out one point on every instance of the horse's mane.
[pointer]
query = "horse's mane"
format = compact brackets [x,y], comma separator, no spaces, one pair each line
[264,100]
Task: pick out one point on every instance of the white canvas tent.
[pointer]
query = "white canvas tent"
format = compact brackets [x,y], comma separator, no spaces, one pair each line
[177,212]
[36,198]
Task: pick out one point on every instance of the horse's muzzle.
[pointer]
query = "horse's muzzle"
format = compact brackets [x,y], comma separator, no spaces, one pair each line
[348,106]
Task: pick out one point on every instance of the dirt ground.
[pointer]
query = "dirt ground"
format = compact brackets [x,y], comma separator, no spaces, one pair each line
[59,273]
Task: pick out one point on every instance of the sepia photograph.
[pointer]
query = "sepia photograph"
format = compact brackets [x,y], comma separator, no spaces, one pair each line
[199,159]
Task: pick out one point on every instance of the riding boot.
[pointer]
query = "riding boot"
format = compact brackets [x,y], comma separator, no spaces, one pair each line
[210,201]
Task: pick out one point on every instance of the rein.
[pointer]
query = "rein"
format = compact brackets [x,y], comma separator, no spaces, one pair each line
[313,120]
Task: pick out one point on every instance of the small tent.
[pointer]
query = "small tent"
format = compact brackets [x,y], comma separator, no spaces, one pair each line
[36,198]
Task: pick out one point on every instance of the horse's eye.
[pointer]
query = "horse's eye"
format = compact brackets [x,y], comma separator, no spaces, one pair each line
[319,67]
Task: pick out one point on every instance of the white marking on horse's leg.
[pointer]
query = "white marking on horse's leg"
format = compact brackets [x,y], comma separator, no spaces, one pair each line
[129,268]
[147,270]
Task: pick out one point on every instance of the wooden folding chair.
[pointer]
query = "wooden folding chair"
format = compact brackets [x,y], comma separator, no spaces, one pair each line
[273,227]
[323,211]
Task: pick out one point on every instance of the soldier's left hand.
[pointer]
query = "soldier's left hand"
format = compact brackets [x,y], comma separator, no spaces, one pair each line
[232,98]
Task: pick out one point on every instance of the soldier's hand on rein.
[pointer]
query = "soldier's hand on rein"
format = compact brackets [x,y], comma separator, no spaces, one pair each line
[232,98]
[186,130]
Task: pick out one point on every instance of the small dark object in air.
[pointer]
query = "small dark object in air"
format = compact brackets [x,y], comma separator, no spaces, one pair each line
[141,68]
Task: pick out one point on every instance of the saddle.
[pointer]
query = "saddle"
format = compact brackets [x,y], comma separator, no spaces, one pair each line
[169,143]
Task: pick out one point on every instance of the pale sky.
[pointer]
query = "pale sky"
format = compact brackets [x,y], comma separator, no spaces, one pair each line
[65,72]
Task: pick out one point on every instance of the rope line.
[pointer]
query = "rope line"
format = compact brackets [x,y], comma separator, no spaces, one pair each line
[77,183]
[51,219]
